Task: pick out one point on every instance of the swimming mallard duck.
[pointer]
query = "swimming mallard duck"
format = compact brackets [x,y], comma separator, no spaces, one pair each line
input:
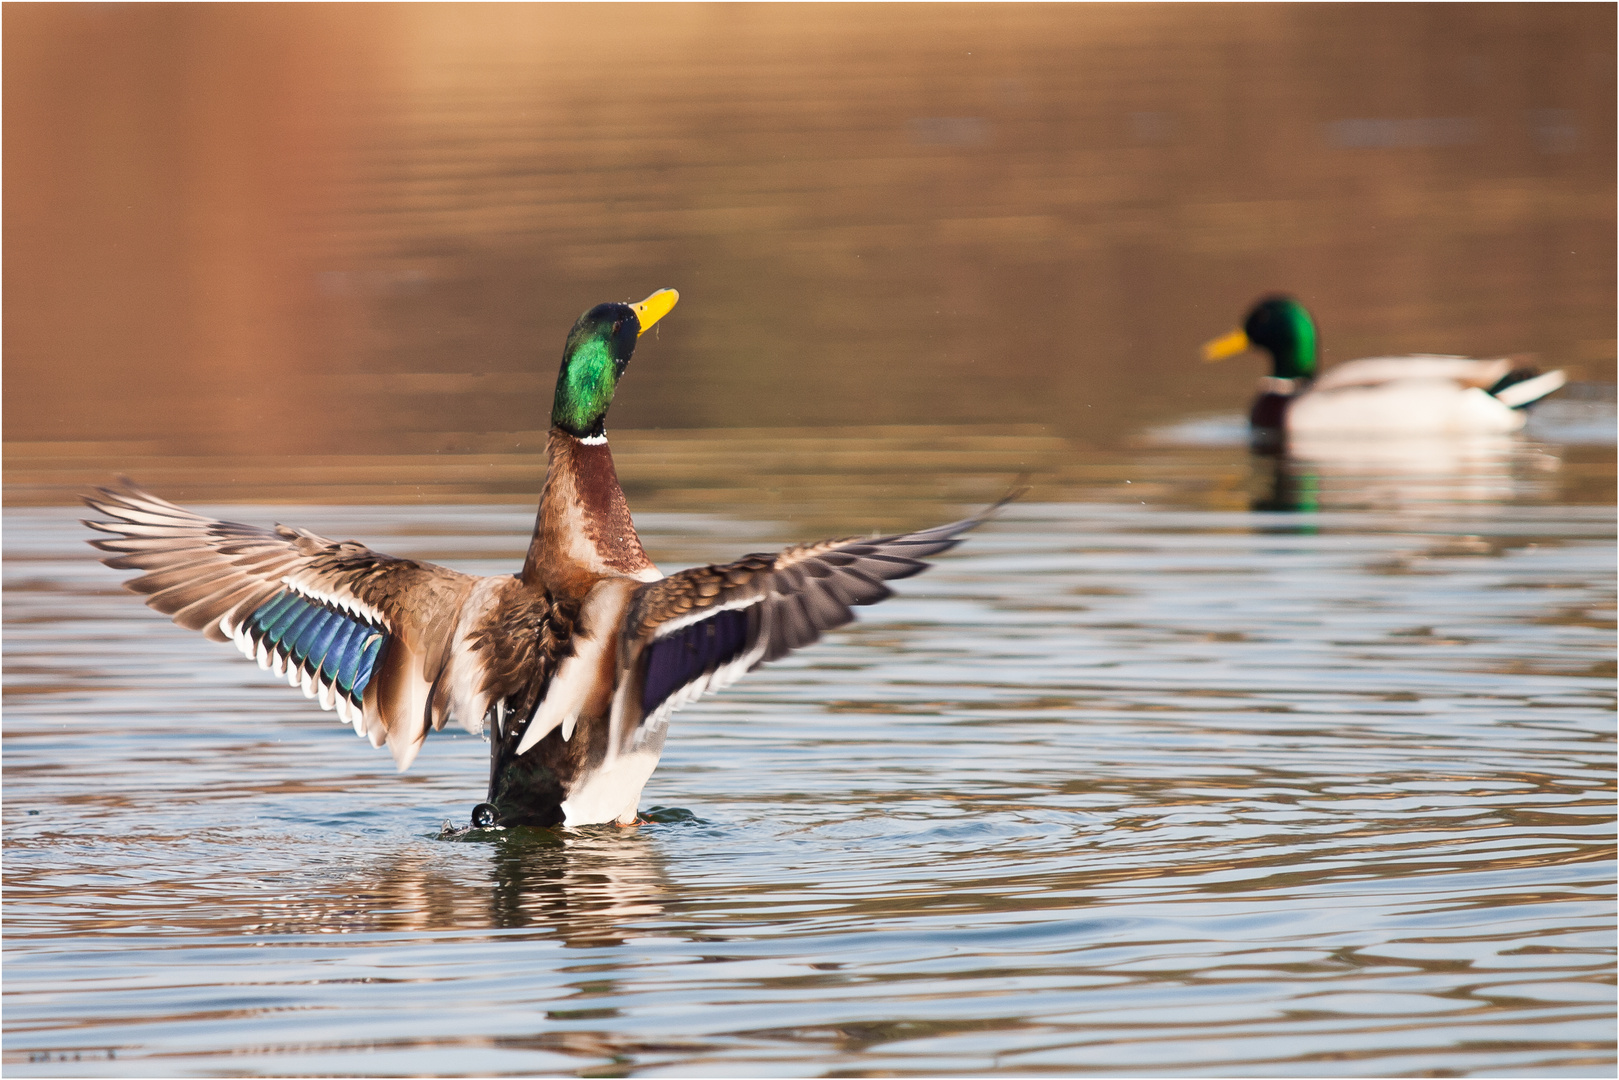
[574,664]
[1382,395]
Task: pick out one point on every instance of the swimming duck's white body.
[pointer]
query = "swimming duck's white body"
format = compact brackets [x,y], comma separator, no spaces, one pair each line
[1412,395]
[1420,395]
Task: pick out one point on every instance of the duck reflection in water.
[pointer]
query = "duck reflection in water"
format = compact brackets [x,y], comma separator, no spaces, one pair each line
[1279,484]
[587,887]
[587,890]
[1346,474]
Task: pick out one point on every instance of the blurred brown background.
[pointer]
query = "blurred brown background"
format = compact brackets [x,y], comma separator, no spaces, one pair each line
[365,229]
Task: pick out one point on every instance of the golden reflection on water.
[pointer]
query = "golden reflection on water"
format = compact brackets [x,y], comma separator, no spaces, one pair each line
[855,479]
[238,230]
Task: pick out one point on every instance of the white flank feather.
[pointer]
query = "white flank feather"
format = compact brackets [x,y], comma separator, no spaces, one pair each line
[611,792]
[570,688]
[1407,407]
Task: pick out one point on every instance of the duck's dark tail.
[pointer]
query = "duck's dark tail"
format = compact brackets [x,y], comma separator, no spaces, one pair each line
[1525,386]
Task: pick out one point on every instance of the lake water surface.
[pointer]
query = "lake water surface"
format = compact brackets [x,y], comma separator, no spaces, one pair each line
[1131,786]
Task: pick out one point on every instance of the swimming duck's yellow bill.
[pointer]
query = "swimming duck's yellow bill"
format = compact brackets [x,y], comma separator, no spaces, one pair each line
[1228,345]
[655,307]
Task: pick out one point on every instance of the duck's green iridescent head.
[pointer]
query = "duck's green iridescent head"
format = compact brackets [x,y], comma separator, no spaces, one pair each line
[1280,326]
[599,349]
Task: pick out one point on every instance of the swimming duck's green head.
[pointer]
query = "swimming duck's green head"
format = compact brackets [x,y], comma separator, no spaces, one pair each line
[599,349]
[1280,326]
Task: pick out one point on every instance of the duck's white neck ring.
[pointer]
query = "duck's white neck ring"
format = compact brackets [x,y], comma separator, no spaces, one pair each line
[1270,384]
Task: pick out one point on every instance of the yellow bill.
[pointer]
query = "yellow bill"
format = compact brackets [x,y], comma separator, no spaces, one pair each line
[655,307]
[1227,345]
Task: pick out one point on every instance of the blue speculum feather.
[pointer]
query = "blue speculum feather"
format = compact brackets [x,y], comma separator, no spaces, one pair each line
[691,652]
[288,632]
[311,650]
[368,662]
[347,659]
[298,637]
[343,648]
[314,643]
[272,610]
[321,640]
[272,615]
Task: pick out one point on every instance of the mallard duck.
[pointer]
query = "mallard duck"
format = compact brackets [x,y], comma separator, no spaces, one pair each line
[573,665]
[1382,395]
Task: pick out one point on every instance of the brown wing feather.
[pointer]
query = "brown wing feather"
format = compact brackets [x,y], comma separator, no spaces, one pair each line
[211,576]
[521,646]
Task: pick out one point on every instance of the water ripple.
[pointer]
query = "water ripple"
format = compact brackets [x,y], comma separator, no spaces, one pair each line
[1113,789]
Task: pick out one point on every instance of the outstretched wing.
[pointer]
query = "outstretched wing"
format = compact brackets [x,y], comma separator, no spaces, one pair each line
[367,634]
[704,628]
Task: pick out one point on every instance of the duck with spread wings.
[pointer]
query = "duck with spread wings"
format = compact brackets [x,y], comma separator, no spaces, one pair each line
[572,666]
